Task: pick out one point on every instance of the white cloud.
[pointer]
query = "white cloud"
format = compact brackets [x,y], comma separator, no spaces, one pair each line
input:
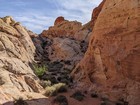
[35,22]
[38,20]
[85,7]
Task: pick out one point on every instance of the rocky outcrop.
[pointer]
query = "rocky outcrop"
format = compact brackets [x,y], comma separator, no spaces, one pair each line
[70,29]
[111,63]
[62,28]
[16,54]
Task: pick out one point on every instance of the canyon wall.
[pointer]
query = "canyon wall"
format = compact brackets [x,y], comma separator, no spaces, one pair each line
[111,65]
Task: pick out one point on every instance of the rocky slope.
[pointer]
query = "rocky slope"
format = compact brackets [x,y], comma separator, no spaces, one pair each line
[16,56]
[111,64]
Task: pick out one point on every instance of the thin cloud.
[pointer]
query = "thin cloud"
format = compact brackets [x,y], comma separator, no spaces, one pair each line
[37,16]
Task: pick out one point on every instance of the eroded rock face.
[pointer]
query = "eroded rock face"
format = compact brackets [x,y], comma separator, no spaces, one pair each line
[111,63]
[16,53]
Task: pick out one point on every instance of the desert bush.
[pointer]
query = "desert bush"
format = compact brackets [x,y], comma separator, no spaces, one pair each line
[78,96]
[40,70]
[121,102]
[61,100]
[94,95]
[20,101]
[44,45]
[60,87]
[50,91]
[54,89]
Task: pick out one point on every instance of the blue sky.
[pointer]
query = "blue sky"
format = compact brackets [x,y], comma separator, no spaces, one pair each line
[38,15]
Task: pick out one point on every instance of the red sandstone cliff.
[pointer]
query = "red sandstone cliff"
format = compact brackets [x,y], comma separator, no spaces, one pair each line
[111,65]
[62,28]
[72,29]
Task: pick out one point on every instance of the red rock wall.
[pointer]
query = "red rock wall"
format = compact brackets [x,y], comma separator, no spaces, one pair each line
[111,64]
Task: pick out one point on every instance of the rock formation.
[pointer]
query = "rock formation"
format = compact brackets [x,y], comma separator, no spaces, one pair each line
[16,54]
[62,28]
[70,29]
[59,50]
[111,64]
[109,68]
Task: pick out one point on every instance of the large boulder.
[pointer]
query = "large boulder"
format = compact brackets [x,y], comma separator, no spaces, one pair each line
[111,63]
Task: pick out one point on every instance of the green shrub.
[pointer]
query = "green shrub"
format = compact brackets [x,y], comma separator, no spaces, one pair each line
[20,101]
[39,70]
[62,100]
[78,96]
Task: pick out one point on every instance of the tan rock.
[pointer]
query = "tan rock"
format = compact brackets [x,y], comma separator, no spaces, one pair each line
[5,27]
[16,55]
